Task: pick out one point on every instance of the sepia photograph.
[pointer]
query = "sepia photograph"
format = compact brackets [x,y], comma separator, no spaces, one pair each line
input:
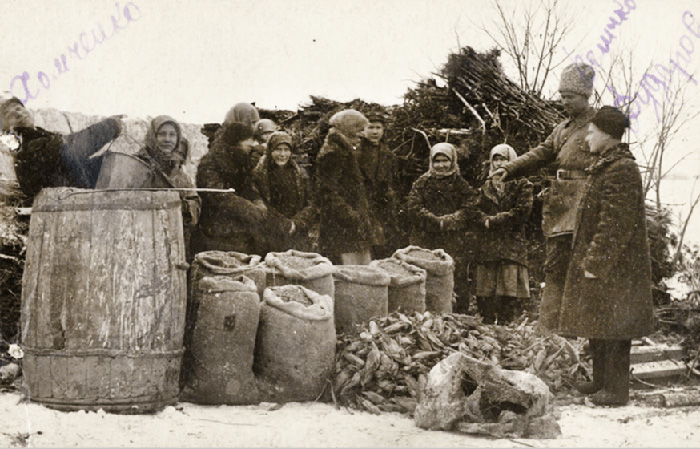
[367,223]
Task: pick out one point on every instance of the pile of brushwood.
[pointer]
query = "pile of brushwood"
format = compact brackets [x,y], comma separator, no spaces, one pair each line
[384,365]
[680,317]
[13,232]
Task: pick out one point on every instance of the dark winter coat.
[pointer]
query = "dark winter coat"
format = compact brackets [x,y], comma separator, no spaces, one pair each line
[451,199]
[48,159]
[176,178]
[230,220]
[610,241]
[378,167]
[286,189]
[507,213]
[286,192]
[343,205]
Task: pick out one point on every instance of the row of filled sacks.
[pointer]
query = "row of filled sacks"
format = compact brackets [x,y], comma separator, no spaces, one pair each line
[266,331]
[414,279]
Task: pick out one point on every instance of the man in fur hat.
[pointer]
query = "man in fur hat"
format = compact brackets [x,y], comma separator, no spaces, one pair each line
[566,151]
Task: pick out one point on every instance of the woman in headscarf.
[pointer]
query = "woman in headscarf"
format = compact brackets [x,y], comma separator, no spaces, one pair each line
[231,220]
[502,280]
[285,189]
[243,113]
[346,230]
[441,207]
[165,152]
[607,295]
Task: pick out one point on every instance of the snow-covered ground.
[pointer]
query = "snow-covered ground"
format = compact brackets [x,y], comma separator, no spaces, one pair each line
[321,425]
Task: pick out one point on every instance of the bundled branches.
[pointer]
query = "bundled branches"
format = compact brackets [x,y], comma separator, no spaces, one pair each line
[479,85]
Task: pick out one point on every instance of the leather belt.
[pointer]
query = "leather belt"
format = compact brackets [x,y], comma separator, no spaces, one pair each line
[570,175]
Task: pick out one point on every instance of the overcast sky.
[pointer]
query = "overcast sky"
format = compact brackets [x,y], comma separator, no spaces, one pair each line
[195,59]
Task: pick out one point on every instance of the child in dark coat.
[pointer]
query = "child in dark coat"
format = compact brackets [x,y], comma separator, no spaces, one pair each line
[441,206]
[286,191]
[501,273]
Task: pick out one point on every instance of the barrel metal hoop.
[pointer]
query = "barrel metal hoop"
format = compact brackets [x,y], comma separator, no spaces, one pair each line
[88,207]
[102,353]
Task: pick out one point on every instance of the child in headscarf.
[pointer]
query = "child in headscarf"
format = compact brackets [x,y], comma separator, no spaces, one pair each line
[286,191]
[441,207]
[502,281]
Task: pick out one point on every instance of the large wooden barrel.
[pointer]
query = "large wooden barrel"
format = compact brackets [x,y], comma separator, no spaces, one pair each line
[103,300]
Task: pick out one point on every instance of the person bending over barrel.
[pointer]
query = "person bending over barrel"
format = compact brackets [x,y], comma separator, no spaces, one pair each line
[49,159]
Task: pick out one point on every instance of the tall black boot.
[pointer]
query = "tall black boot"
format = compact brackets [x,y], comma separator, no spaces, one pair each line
[597,348]
[487,306]
[616,388]
[511,309]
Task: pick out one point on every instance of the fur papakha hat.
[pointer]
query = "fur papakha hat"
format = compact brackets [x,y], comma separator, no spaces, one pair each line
[577,78]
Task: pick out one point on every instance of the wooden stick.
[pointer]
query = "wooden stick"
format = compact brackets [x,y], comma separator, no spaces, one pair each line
[473,111]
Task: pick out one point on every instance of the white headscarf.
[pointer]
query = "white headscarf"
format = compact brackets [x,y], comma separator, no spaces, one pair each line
[504,150]
[448,150]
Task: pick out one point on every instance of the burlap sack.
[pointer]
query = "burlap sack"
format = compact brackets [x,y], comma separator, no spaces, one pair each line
[223,342]
[361,293]
[407,287]
[311,270]
[439,284]
[295,347]
[230,263]
[216,263]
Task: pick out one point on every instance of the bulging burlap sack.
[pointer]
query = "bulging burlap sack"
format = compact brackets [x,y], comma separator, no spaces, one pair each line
[311,270]
[439,284]
[407,287]
[230,263]
[295,348]
[223,342]
[216,263]
[361,293]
